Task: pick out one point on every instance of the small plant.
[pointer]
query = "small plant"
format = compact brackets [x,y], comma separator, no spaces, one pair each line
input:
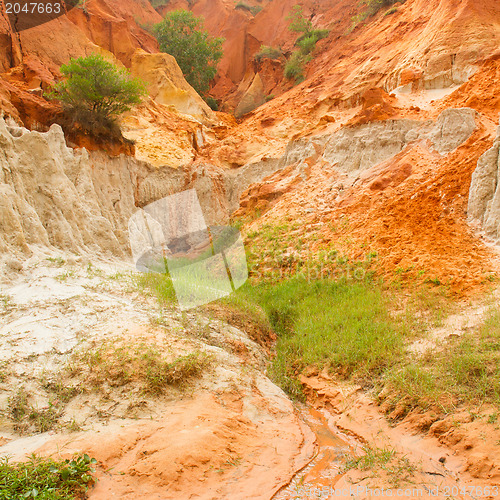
[143,364]
[295,66]
[298,23]
[398,469]
[58,261]
[45,478]
[306,45]
[267,52]
[6,303]
[64,276]
[28,418]
[82,4]
[244,6]
[373,457]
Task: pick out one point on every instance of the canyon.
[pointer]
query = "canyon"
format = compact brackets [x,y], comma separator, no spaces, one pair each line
[386,156]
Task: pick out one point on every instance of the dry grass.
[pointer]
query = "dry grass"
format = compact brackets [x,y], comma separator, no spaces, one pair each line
[114,365]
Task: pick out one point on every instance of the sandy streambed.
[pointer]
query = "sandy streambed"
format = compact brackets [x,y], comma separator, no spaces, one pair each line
[227,433]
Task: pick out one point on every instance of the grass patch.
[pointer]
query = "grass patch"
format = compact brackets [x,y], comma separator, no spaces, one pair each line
[328,311]
[373,457]
[296,65]
[119,365]
[28,418]
[461,370]
[156,284]
[397,469]
[267,52]
[45,478]
[252,9]
[343,326]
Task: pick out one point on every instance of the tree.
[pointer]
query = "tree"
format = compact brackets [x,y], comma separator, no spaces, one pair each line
[183,36]
[95,92]
[298,23]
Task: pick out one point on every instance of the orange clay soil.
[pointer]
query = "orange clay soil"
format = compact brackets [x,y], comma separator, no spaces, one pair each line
[410,210]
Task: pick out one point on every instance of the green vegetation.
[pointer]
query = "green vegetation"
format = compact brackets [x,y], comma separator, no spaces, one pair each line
[244,6]
[398,470]
[329,312]
[119,365]
[95,92]
[267,52]
[183,36]
[45,478]
[342,326]
[212,102]
[306,43]
[371,8]
[466,368]
[298,23]
[27,418]
[371,459]
[6,303]
[295,66]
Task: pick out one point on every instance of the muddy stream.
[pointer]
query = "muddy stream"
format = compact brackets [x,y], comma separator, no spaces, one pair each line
[326,467]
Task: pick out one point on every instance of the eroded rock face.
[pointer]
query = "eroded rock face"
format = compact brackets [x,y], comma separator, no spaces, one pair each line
[49,196]
[117,26]
[359,148]
[484,194]
[54,196]
[167,85]
[352,151]
[253,97]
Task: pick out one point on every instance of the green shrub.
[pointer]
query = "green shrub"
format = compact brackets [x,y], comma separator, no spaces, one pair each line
[267,52]
[295,66]
[307,45]
[95,92]
[45,478]
[212,102]
[320,33]
[183,36]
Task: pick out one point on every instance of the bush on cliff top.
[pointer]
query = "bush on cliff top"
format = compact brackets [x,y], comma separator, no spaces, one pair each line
[95,92]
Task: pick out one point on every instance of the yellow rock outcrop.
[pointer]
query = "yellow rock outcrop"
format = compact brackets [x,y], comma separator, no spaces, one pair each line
[167,85]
